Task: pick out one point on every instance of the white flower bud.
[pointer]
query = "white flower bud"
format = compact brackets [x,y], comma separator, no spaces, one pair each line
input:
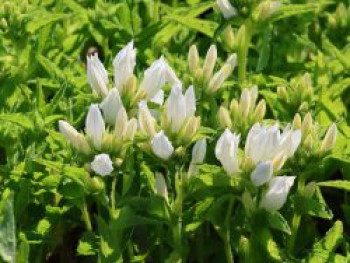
[95,125]
[232,61]
[161,146]
[193,59]
[224,118]
[209,62]
[146,120]
[160,186]
[102,164]
[123,65]
[260,110]
[219,78]
[329,139]
[130,131]
[262,173]
[296,124]
[120,122]
[111,105]
[277,193]
[97,75]
[76,139]
[306,126]
[226,8]
[226,151]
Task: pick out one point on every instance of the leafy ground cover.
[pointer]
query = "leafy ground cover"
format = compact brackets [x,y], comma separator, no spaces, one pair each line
[174,131]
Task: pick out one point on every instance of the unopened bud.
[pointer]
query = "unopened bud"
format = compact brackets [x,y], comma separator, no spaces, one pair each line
[121,122]
[147,122]
[224,118]
[118,162]
[160,186]
[303,107]
[209,63]
[329,139]
[198,75]
[309,190]
[3,24]
[308,143]
[190,128]
[306,81]
[296,125]
[266,9]
[247,201]
[232,61]
[282,92]
[193,59]
[245,103]
[260,110]
[279,161]
[234,108]
[96,185]
[180,151]
[219,78]
[241,37]
[228,37]
[306,127]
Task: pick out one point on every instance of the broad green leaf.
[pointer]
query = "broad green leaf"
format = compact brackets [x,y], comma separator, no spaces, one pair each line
[43,19]
[18,119]
[339,184]
[277,221]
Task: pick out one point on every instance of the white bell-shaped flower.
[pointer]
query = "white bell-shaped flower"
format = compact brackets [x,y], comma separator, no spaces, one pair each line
[262,173]
[97,75]
[265,143]
[156,76]
[198,154]
[226,8]
[123,65]
[277,193]
[111,105]
[161,146]
[102,164]
[180,107]
[95,125]
[226,151]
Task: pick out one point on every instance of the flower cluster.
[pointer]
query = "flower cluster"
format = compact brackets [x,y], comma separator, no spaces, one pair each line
[173,126]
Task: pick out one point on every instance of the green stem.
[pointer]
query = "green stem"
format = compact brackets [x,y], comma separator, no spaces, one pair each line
[296,218]
[226,236]
[155,14]
[86,216]
[243,53]
[113,202]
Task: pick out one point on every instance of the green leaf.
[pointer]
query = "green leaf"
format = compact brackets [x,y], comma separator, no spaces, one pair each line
[203,26]
[18,119]
[23,249]
[264,49]
[43,19]
[339,184]
[87,244]
[7,228]
[278,222]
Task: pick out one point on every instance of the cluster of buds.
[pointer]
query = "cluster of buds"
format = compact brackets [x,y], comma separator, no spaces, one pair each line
[244,113]
[266,150]
[150,88]
[312,143]
[297,95]
[177,122]
[341,17]
[205,76]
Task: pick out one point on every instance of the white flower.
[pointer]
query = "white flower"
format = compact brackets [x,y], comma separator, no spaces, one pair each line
[262,173]
[226,8]
[180,107]
[226,151]
[248,100]
[266,143]
[111,105]
[123,65]
[102,164]
[97,75]
[156,76]
[160,186]
[277,193]
[74,137]
[161,146]
[209,62]
[95,125]
[198,154]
